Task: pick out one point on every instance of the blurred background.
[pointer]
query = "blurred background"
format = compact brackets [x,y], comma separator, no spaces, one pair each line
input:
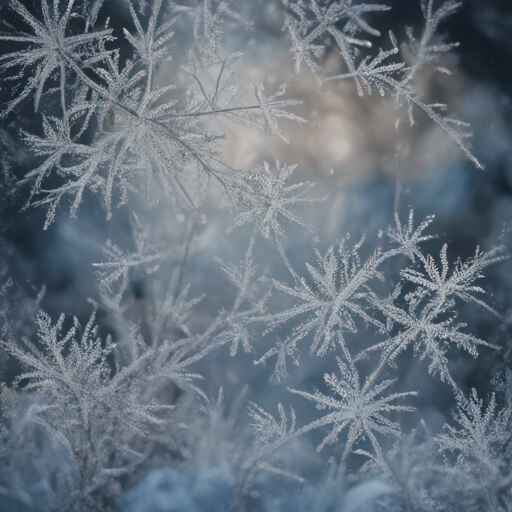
[355,150]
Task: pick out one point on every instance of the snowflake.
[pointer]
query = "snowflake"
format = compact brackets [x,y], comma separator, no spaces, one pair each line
[358,408]
[262,197]
[49,49]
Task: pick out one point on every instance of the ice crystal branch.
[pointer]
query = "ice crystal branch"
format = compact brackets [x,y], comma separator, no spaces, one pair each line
[429,321]
[481,443]
[49,48]
[310,21]
[148,133]
[104,418]
[263,198]
[357,408]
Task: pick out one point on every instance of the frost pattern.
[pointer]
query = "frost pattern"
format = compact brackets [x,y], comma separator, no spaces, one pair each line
[481,443]
[309,22]
[148,133]
[357,408]
[108,410]
[103,420]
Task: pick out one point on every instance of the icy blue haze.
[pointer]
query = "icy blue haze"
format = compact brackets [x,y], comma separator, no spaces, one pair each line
[255,256]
